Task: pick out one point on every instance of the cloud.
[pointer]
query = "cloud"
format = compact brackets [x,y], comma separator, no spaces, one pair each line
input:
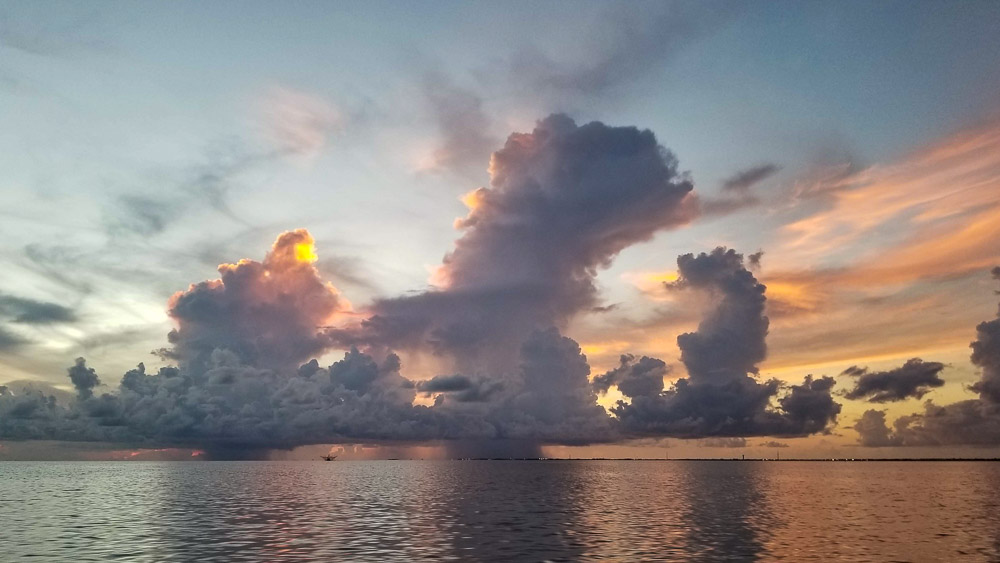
[634,377]
[444,384]
[563,201]
[723,443]
[300,123]
[195,189]
[968,422]
[721,396]
[30,311]
[621,47]
[83,378]
[913,379]
[873,431]
[267,313]
[746,179]
[773,444]
[552,397]
[942,202]
[464,127]
[10,341]
[986,355]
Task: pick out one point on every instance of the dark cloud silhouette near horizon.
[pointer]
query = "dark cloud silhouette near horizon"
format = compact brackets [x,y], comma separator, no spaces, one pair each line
[773,444]
[722,396]
[972,422]
[914,379]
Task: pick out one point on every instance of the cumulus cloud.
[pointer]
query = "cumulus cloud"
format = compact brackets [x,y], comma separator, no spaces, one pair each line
[634,377]
[563,201]
[986,355]
[83,378]
[267,313]
[239,385]
[969,422]
[913,379]
[722,395]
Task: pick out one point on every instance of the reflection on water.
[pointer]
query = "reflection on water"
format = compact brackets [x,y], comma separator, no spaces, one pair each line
[500,511]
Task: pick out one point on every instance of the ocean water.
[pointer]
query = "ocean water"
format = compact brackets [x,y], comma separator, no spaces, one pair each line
[500,511]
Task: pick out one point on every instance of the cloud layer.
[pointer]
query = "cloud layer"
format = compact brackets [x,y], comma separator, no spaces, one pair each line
[563,201]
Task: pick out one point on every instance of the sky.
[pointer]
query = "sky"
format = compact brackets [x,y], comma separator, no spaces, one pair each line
[696,229]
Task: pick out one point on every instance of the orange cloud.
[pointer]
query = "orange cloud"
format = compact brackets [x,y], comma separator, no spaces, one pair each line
[937,211]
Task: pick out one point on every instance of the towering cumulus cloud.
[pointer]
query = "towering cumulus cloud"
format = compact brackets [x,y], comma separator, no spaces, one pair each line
[563,201]
[722,395]
[267,313]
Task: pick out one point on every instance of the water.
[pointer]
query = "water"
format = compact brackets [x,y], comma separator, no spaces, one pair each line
[500,511]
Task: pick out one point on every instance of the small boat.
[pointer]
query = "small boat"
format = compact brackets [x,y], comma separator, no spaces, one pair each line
[328,457]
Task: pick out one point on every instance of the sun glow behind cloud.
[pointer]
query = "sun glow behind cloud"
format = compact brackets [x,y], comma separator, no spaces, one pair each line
[306,252]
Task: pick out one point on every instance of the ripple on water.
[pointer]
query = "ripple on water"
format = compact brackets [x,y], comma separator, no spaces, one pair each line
[499,511]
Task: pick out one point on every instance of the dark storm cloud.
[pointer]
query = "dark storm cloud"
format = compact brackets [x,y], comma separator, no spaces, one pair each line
[30,311]
[913,379]
[721,396]
[969,422]
[444,384]
[634,377]
[563,201]
[83,378]
[746,179]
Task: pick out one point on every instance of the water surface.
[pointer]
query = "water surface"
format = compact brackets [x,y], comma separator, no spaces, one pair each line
[500,511]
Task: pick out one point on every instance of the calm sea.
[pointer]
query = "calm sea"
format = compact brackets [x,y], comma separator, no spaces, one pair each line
[500,511]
